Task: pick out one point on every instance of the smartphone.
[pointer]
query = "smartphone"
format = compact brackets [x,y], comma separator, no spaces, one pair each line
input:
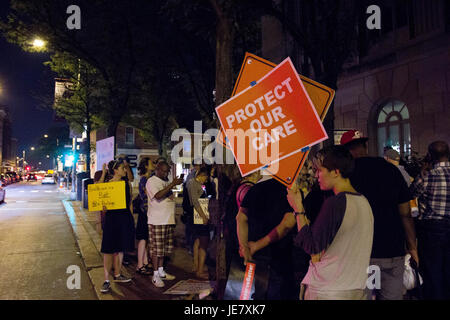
[182,176]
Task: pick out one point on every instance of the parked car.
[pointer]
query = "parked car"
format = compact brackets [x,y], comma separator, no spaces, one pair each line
[4,180]
[10,178]
[15,177]
[48,179]
[2,195]
[31,177]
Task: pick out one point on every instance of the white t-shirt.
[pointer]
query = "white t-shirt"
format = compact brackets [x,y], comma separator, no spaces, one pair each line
[160,212]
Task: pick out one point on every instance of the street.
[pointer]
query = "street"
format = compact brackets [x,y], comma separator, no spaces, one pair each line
[37,246]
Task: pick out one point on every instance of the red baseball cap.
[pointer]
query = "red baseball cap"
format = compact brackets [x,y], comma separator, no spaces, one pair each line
[351,136]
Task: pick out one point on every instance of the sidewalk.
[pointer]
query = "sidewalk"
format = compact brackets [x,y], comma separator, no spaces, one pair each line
[87,231]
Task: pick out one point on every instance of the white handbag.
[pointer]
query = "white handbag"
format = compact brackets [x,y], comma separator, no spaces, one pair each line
[409,276]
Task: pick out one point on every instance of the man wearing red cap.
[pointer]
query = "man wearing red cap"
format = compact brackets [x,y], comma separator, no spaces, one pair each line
[385,188]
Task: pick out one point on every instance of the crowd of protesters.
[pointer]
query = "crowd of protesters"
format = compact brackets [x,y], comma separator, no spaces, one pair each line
[313,244]
[321,245]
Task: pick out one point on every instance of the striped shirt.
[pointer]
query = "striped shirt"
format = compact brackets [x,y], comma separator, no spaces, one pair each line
[433,192]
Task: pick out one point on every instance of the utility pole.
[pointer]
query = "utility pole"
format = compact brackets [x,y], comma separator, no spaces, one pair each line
[73,194]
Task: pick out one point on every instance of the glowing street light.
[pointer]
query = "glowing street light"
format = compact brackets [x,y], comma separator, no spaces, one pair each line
[32,148]
[45,135]
[38,43]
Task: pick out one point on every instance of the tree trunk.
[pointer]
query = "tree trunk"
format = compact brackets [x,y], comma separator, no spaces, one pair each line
[224,68]
[88,149]
[111,131]
[224,87]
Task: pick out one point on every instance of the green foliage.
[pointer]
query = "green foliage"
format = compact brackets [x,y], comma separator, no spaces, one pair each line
[82,104]
[53,145]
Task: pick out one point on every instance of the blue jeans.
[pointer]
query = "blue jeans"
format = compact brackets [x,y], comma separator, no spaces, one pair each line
[433,237]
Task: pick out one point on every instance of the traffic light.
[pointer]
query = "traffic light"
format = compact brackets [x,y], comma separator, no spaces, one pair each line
[27,168]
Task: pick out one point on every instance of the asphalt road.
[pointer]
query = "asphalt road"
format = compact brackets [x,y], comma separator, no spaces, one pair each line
[37,246]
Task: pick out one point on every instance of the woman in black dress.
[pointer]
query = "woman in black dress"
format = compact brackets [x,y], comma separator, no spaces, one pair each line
[118,230]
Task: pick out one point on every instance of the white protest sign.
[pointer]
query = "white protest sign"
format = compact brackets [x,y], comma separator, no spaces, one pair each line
[104,151]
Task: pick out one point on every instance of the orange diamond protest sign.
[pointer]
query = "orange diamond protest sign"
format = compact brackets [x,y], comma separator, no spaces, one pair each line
[271,120]
[253,68]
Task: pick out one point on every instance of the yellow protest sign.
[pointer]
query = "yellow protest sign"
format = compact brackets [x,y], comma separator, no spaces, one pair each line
[110,194]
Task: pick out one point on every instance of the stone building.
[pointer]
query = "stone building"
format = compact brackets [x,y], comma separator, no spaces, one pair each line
[8,144]
[397,92]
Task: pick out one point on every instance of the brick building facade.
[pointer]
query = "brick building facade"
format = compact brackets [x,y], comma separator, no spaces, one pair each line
[398,92]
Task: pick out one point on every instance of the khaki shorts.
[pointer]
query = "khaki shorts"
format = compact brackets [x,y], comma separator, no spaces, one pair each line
[311,294]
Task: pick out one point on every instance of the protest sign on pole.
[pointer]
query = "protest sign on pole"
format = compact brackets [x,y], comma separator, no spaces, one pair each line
[254,67]
[247,283]
[111,195]
[104,151]
[271,120]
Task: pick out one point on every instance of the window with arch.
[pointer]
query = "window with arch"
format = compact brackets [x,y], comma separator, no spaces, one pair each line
[393,128]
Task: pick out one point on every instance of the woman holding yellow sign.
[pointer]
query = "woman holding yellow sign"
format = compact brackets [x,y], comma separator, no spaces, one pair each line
[118,230]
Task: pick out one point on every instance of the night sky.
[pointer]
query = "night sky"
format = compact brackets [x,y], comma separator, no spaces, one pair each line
[22,77]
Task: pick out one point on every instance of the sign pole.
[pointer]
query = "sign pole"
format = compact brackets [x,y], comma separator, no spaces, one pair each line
[73,194]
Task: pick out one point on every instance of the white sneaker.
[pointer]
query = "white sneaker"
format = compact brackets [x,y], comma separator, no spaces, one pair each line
[165,276]
[157,282]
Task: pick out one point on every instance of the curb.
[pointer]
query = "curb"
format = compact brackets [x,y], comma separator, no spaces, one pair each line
[80,232]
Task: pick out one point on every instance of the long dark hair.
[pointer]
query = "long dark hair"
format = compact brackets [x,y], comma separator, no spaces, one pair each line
[113,165]
[142,167]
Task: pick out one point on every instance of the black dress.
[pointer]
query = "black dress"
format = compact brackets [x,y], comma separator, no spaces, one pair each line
[142,222]
[118,230]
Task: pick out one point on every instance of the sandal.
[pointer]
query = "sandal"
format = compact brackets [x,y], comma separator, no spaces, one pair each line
[148,267]
[143,271]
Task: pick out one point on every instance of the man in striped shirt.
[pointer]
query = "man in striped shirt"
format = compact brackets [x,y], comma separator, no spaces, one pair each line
[432,189]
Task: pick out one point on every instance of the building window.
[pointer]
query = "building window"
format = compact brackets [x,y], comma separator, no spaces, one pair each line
[129,135]
[393,128]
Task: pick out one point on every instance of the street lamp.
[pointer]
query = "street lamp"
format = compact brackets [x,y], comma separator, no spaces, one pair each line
[32,148]
[38,43]
[45,135]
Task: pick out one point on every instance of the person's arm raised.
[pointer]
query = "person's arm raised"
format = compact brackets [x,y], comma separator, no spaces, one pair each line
[163,193]
[104,171]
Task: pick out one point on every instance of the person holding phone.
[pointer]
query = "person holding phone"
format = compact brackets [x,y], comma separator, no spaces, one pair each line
[161,220]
